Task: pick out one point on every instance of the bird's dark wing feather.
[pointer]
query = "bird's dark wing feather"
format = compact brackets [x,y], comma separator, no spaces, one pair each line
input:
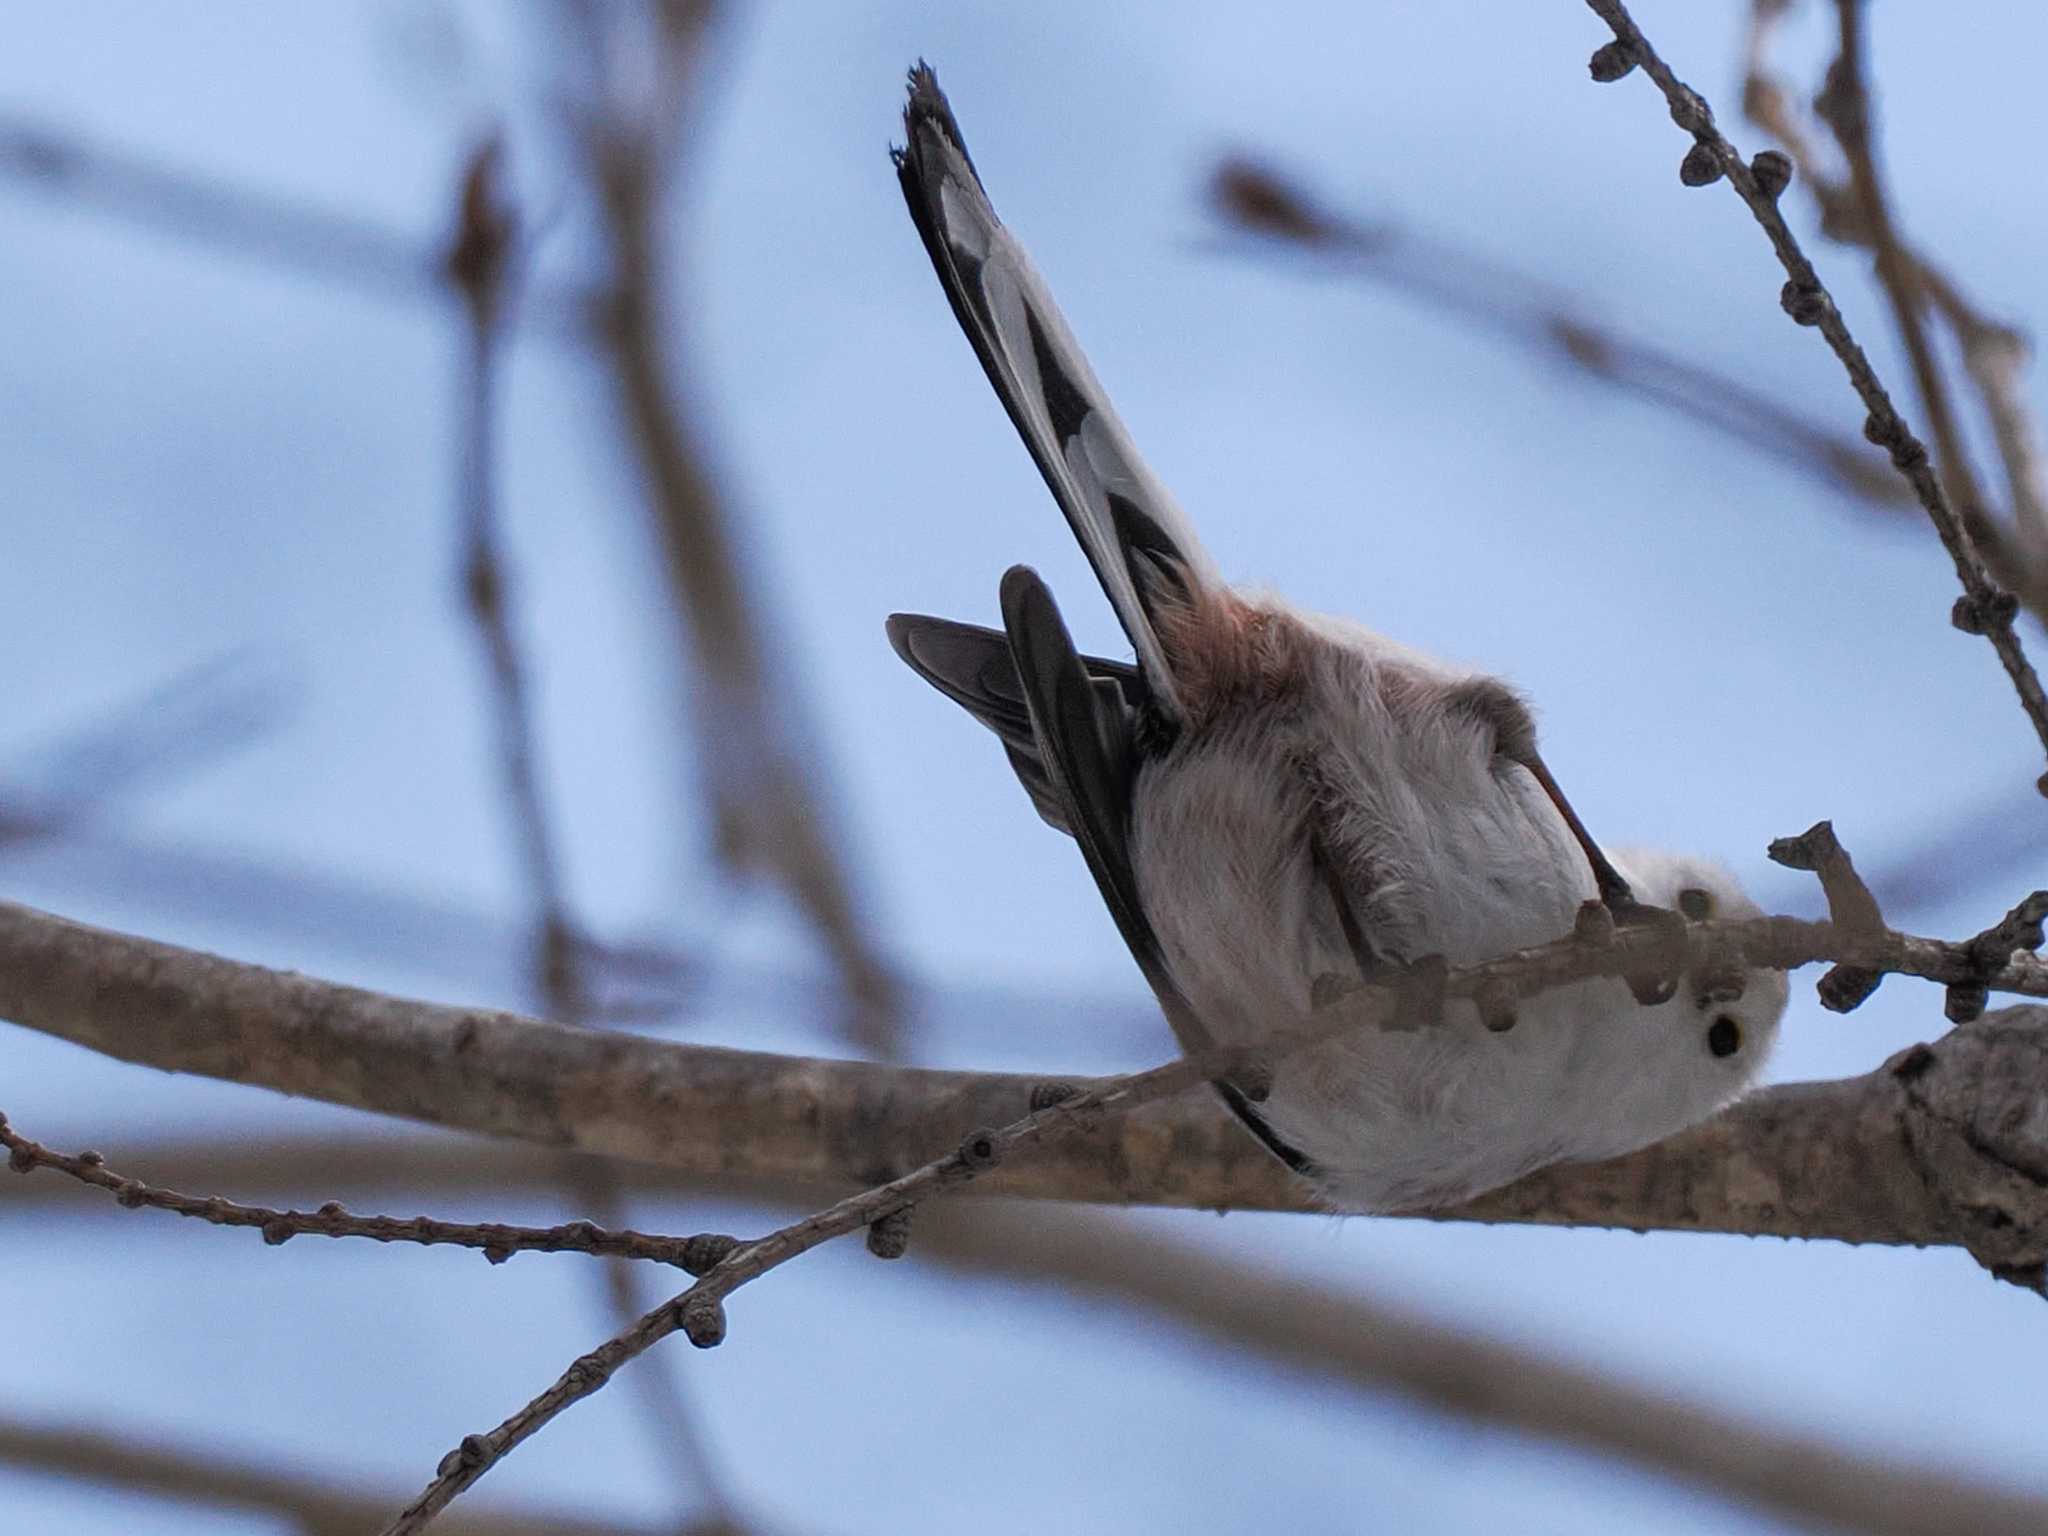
[971,666]
[1083,732]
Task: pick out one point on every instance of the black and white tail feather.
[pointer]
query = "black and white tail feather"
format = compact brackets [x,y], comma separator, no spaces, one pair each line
[1141,545]
[1073,726]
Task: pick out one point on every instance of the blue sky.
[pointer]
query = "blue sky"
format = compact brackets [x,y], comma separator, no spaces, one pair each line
[210,455]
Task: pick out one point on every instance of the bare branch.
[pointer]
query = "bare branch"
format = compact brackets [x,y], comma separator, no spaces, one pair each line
[1984,608]
[699,1312]
[497,1241]
[192,718]
[1993,352]
[1847,1160]
[1851,908]
[479,263]
[1844,105]
[1338,1335]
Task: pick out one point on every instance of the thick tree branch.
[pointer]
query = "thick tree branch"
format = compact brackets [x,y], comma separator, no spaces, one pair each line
[1935,1149]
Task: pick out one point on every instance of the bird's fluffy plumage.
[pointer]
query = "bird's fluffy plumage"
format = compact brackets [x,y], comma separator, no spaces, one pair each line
[1271,797]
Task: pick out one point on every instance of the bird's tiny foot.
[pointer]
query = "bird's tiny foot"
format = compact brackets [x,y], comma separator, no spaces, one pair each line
[1653,978]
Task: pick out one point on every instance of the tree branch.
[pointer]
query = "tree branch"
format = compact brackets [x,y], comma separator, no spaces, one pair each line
[1933,1149]
[1983,608]
[1337,1335]
[495,1240]
[1993,352]
[483,265]
[770,801]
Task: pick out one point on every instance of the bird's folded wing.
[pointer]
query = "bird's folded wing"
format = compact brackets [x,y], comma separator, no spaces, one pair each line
[972,666]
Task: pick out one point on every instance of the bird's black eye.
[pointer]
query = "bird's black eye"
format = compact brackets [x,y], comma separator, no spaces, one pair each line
[1724,1036]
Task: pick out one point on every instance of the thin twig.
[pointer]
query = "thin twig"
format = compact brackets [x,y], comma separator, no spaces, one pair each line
[496,1240]
[1984,608]
[188,720]
[326,246]
[1851,908]
[1993,352]
[1329,1334]
[481,262]
[700,1311]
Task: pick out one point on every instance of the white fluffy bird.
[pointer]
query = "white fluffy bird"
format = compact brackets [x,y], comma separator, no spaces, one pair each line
[1270,797]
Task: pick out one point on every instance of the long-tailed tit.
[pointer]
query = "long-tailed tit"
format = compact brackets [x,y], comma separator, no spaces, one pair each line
[1270,797]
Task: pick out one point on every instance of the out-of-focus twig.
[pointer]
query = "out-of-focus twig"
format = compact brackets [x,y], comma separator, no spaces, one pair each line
[481,260]
[1853,211]
[771,808]
[1844,105]
[317,1506]
[1984,608]
[479,263]
[1256,200]
[763,758]
[190,719]
[317,243]
[1380,1346]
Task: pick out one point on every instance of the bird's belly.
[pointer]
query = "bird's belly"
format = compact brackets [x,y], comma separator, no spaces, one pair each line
[1392,1119]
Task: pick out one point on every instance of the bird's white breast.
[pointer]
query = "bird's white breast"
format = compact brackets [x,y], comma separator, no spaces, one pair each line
[1444,850]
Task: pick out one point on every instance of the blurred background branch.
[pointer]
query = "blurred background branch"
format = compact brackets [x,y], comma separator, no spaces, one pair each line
[1854,211]
[1268,212]
[319,244]
[484,264]
[333,1504]
[770,805]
